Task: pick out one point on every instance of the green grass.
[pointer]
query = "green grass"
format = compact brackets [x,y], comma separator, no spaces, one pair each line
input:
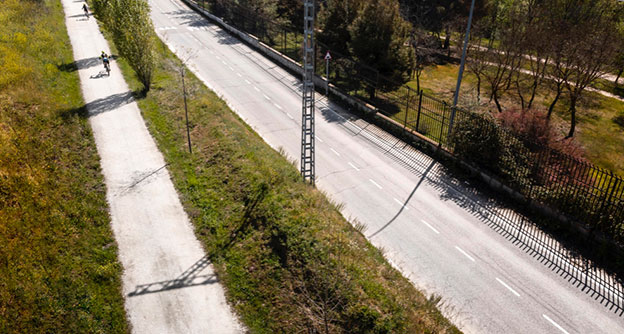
[279,246]
[58,259]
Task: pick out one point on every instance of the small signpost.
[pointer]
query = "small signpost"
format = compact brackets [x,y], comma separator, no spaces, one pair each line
[328,57]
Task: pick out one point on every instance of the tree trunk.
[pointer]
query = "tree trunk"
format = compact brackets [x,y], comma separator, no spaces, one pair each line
[618,76]
[478,89]
[552,105]
[498,106]
[447,42]
[520,94]
[572,117]
[533,91]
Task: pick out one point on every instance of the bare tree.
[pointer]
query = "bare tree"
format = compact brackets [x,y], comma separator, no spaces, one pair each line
[477,62]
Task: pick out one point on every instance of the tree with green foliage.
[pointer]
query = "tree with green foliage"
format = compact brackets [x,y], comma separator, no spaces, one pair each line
[380,37]
[133,33]
[335,18]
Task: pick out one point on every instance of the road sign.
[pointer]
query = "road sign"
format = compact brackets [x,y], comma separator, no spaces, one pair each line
[328,56]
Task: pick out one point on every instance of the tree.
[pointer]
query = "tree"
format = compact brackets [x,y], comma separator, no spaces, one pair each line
[379,37]
[584,36]
[335,17]
[506,60]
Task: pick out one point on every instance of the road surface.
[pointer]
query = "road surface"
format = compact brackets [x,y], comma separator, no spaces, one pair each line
[419,215]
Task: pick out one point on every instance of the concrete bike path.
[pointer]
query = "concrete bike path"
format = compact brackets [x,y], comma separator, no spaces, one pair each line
[169,285]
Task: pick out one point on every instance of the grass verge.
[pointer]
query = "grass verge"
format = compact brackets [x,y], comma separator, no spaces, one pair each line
[290,262]
[58,259]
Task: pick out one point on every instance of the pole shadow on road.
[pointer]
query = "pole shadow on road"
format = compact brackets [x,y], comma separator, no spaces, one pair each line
[422,178]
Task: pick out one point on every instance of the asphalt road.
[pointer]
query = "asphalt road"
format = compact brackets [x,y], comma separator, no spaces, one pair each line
[422,218]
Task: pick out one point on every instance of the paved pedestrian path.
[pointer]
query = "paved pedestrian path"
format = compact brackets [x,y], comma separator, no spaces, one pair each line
[168,283]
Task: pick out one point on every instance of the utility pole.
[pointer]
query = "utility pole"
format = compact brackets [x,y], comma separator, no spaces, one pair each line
[461,70]
[307,114]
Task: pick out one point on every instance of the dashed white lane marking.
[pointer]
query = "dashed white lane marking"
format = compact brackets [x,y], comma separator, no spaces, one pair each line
[240,75]
[287,114]
[224,62]
[335,152]
[278,106]
[431,227]
[352,165]
[375,183]
[211,52]
[257,89]
[266,97]
[466,254]
[508,287]
[231,68]
[555,324]
[401,204]
[218,58]
[247,81]
[319,139]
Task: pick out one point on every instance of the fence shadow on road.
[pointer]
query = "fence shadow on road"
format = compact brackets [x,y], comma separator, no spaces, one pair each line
[189,278]
[568,264]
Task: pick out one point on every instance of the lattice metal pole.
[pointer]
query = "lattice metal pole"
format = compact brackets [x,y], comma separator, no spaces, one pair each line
[307,114]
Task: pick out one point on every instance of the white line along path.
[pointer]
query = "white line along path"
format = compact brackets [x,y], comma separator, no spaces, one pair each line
[157,247]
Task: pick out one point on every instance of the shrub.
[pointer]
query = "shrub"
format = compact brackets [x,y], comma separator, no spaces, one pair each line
[475,139]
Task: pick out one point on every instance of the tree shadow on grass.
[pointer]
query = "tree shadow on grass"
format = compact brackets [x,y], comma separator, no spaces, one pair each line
[189,278]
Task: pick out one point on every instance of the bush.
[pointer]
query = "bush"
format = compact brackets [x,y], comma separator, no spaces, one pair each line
[476,140]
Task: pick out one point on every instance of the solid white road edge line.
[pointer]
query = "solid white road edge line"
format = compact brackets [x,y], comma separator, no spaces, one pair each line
[554,323]
[431,227]
[466,254]
[508,287]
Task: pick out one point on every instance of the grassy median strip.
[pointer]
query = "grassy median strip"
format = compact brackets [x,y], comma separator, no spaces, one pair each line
[290,262]
[58,259]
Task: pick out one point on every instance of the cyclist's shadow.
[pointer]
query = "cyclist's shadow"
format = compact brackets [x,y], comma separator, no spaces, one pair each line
[101,74]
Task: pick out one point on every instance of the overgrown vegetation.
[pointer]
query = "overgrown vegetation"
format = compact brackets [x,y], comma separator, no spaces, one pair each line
[132,31]
[58,260]
[289,260]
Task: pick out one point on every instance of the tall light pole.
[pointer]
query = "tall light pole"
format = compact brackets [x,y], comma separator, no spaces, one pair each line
[307,114]
[461,70]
